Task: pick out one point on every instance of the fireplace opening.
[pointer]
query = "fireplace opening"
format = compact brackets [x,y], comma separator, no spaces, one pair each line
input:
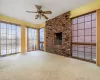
[58,38]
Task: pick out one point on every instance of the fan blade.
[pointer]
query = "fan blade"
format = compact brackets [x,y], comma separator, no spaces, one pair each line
[38,7]
[44,16]
[47,12]
[31,12]
[36,17]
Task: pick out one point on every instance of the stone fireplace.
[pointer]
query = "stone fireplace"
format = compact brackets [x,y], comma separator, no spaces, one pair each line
[58,35]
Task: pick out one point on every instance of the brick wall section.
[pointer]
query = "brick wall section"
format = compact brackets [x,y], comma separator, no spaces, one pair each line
[62,24]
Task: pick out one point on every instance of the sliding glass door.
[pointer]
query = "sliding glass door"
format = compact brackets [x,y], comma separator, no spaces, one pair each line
[10,38]
[42,39]
[31,39]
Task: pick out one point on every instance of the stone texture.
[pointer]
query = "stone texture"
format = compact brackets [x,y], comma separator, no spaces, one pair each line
[62,24]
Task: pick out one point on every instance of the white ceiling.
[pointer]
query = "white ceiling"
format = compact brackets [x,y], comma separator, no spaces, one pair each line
[17,8]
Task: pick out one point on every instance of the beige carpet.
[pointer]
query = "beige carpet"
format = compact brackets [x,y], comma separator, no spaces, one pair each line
[40,65]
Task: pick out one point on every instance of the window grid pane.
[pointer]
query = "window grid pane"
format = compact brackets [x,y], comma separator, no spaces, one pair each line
[84,34]
[8,38]
[31,35]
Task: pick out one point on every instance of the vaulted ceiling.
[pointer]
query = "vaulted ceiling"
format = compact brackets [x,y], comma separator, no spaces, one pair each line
[17,8]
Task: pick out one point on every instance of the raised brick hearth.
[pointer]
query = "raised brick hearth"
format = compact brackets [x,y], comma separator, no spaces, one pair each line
[59,24]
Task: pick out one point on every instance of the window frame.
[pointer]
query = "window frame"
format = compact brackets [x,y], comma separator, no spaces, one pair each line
[28,39]
[7,29]
[82,43]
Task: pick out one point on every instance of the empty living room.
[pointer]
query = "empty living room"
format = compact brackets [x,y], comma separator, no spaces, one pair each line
[49,39]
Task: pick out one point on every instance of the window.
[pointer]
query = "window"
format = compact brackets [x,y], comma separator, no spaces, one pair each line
[31,35]
[42,39]
[84,37]
[10,38]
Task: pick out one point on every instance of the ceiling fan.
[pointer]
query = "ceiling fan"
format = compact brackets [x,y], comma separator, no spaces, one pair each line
[40,13]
